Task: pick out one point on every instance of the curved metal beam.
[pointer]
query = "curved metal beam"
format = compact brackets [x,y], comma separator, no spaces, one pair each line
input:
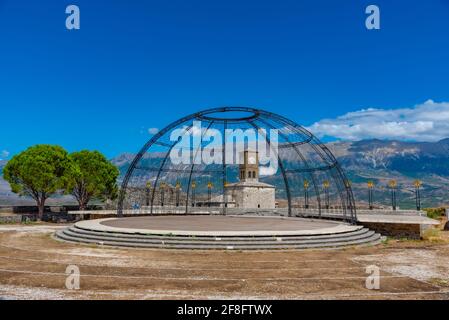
[331,159]
[318,147]
[281,166]
[162,166]
[193,165]
[299,153]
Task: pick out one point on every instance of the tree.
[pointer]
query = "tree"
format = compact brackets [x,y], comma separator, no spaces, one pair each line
[38,172]
[92,177]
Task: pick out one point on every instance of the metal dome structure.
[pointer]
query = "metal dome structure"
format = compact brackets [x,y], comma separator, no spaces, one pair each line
[186,167]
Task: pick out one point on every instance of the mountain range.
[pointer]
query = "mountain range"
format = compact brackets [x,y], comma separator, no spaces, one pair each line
[375,160]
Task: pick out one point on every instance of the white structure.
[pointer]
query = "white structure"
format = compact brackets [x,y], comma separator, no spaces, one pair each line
[249,192]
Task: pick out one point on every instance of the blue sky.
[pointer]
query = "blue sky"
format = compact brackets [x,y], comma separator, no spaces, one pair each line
[136,65]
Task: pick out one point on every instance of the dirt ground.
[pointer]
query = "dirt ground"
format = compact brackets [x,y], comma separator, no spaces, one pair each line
[33,266]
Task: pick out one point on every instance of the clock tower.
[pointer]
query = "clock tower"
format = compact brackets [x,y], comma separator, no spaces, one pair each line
[249,192]
[249,169]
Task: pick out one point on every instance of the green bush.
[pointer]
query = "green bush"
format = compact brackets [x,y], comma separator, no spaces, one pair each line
[435,213]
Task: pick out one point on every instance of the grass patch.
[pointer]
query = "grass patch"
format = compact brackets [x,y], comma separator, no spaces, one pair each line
[8,222]
[387,240]
[18,223]
[440,282]
[432,234]
[29,222]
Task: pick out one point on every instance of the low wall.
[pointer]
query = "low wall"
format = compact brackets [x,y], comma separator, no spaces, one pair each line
[49,209]
[420,213]
[396,230]
[57,214]
[11,219]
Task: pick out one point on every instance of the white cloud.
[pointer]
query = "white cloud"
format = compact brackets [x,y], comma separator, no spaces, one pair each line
[4,154]
[153,131]
[268,171]
[424,122]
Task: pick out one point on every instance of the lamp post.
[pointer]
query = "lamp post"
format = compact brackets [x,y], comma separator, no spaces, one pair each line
[306,194]
[193,193]
[225,194]
[162,188]
[393,184]
[147,193]
[326,185]
[178,190]
[348,196]
[209,192]
[370,194]
[417,185]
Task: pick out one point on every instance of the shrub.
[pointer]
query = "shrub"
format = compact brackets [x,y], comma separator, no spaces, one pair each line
[435,213]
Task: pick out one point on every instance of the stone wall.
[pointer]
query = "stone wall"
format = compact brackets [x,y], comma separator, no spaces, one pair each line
[396,230]
[254,197]
[11,219]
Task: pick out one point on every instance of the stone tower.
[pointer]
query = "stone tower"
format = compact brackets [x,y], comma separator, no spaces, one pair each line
[249,169]
[249,192]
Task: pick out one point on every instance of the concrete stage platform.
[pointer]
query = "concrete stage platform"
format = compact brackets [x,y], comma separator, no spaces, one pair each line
[218,232]
[395,223]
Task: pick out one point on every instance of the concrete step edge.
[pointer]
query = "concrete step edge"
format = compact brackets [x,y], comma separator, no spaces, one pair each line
[212,244]
[212,238]
[373,240]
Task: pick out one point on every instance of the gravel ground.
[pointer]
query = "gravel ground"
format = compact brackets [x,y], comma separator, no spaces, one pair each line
[33,266]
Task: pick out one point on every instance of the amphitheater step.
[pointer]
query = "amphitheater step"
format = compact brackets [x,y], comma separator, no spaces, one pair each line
[360,236]
[363,233]
[249,241]
[118,235]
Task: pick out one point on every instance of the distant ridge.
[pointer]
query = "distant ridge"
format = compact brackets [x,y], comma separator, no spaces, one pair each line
[377,160]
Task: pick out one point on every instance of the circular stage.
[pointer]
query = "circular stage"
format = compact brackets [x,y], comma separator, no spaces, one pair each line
[219,225]
[218,232]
